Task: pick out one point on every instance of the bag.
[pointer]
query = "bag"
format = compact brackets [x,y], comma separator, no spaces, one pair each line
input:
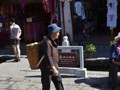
[34,55]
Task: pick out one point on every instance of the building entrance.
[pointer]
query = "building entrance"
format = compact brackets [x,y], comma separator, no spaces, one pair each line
[96,14]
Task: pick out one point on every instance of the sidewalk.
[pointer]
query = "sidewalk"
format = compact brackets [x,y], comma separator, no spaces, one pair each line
[19,76]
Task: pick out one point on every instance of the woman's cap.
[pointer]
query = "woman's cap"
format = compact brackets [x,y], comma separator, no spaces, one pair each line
[53,28]
[117,37]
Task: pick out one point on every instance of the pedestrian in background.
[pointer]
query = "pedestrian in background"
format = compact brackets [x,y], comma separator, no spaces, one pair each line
[15,33]
[49,65]
[79,30]
[114,61]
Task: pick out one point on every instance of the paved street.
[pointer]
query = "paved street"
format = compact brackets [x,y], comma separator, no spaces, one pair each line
[19,76]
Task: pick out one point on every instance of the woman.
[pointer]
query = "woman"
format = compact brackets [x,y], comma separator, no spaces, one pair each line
[49,65]
[114,61]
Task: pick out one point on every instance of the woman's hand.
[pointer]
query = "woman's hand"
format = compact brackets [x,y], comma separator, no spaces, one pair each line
[55,71]
[18,38]
[116,62]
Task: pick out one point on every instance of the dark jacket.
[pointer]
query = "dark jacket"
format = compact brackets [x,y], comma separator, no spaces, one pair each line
[51,55]
[113,51]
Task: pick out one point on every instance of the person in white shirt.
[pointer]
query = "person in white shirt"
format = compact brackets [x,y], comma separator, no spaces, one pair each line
[15,33]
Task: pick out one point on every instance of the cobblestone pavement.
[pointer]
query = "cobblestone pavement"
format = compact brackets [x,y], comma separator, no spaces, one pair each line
[19,76]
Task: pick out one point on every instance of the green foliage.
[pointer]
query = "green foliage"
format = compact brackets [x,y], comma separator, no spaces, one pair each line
[90,48]
[112,42]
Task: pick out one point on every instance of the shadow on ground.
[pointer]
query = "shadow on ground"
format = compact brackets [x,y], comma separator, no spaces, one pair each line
[34,76]
[99,83]
[93,82]
[5,58]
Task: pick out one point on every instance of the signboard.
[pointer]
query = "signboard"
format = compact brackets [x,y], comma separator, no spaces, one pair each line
[68,59]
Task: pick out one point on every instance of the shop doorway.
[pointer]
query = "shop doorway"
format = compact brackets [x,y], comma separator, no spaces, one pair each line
[102,18]
[96,12]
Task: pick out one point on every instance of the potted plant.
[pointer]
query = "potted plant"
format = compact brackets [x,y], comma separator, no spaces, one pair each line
[90,48]
[112,42]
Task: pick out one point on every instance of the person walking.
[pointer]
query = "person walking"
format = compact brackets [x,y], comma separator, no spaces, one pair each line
[114,62]
[15,33]
[49,65]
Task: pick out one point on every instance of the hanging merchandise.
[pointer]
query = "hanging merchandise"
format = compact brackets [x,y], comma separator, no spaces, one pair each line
[22,3]
[83,11]
[54,11]
[11,9]
[79,9]
[112,13]
[50,6]
[45,5]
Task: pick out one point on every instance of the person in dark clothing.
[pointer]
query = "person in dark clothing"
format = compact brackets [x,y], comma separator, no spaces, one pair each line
[113,63]
[79,29]
[49,65]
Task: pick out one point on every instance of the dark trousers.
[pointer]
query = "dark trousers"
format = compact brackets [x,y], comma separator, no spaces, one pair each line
[47,77]
[113,75]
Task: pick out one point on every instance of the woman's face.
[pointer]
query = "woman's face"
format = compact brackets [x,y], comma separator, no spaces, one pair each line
[55,35]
